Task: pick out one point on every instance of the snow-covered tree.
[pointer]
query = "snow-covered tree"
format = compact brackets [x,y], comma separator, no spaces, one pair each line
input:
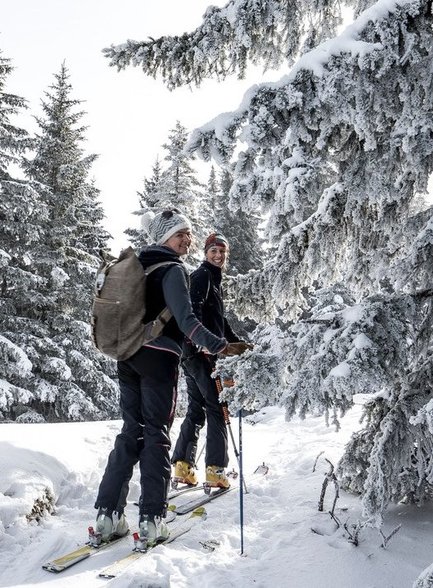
[148,199]
[23,211]
[181,185]
[70,379]
[338,153]
[175,185]
[211,211]
[242,232]
[241,228]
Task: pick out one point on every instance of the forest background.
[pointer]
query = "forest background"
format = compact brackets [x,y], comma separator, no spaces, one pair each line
[336,156]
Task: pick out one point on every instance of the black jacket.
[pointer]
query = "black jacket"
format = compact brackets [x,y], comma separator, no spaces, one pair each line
[207,304]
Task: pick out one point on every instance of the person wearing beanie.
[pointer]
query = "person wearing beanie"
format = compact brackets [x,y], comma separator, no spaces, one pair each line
[198,365]
[148,382]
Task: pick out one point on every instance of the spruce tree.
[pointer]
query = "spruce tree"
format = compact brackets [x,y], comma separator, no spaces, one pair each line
[181,186]
[175,185]
[23,211]
[72,380]
[148,199]
[211,211]
[241,228]
[336,155]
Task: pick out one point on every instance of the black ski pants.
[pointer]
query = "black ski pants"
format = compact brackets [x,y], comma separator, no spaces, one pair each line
[148,389]
[203,403]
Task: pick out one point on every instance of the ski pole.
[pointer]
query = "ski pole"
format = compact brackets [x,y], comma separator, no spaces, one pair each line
[200,452]
[236,452]
[228,425]
[241,494]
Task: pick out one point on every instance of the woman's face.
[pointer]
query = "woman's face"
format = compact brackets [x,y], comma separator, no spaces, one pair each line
[217,255]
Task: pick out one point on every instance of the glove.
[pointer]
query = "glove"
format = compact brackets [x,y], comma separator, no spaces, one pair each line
[236,348]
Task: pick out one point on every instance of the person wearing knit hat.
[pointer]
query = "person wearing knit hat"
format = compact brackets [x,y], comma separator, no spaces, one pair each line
[198,366]
[148,382]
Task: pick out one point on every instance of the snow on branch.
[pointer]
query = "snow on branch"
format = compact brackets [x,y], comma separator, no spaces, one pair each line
[320,66]
[242,31]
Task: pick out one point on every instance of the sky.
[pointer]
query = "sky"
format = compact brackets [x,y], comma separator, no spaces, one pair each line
[288,543]
[128,115]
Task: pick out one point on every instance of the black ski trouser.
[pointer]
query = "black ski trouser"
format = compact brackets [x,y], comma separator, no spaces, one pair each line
[203,403]
[148,389]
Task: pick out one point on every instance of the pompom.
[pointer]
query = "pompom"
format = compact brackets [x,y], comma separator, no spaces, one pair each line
[146,219]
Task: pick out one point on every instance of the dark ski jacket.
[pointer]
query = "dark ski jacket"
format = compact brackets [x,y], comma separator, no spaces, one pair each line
[207,304]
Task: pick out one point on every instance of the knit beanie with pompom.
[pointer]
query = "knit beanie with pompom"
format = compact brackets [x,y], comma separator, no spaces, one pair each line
[160,227]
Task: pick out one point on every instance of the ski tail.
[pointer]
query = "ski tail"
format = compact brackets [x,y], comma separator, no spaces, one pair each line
[115,569]
[73,557]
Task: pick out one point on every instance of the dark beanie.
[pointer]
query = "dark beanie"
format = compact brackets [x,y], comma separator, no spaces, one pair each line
[215,239]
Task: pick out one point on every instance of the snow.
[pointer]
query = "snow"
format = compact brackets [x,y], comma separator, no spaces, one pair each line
[342,370]
[287,542]
[24,365]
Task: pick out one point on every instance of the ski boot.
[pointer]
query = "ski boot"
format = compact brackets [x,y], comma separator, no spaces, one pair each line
[183,474]
[109,524]
[215,478]
[152,530]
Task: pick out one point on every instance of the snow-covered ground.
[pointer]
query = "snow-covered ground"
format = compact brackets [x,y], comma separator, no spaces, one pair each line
[287,542]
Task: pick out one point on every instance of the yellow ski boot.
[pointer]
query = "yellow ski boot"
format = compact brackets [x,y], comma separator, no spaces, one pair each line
[183,474]
[215,478]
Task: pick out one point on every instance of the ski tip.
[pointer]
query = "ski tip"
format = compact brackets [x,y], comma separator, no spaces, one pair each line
[200,511]
[171,515]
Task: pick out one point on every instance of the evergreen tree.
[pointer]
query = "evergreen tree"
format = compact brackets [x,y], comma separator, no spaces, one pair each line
[246,251]
[337,154]
[181,187]
[70,378]
[148,199]
[241,228]
[175,185]
[23,211]
[212,210]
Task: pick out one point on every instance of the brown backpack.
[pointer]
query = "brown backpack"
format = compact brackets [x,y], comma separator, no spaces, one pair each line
[119,306]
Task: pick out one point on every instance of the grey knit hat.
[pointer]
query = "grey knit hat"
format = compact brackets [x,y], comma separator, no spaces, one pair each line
[160,227]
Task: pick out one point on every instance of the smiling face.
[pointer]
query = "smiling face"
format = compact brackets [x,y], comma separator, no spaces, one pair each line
[180,242]
[217,255]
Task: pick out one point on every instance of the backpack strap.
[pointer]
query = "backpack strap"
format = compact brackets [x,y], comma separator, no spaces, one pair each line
[154,328]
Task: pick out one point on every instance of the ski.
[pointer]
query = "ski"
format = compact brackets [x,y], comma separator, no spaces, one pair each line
[88,549]
[71,558]
[194,503]
[179,492]
[182,490]
[177,531]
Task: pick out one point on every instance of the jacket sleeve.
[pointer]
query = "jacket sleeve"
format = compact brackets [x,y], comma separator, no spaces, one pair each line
[177,298]
[229,334]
